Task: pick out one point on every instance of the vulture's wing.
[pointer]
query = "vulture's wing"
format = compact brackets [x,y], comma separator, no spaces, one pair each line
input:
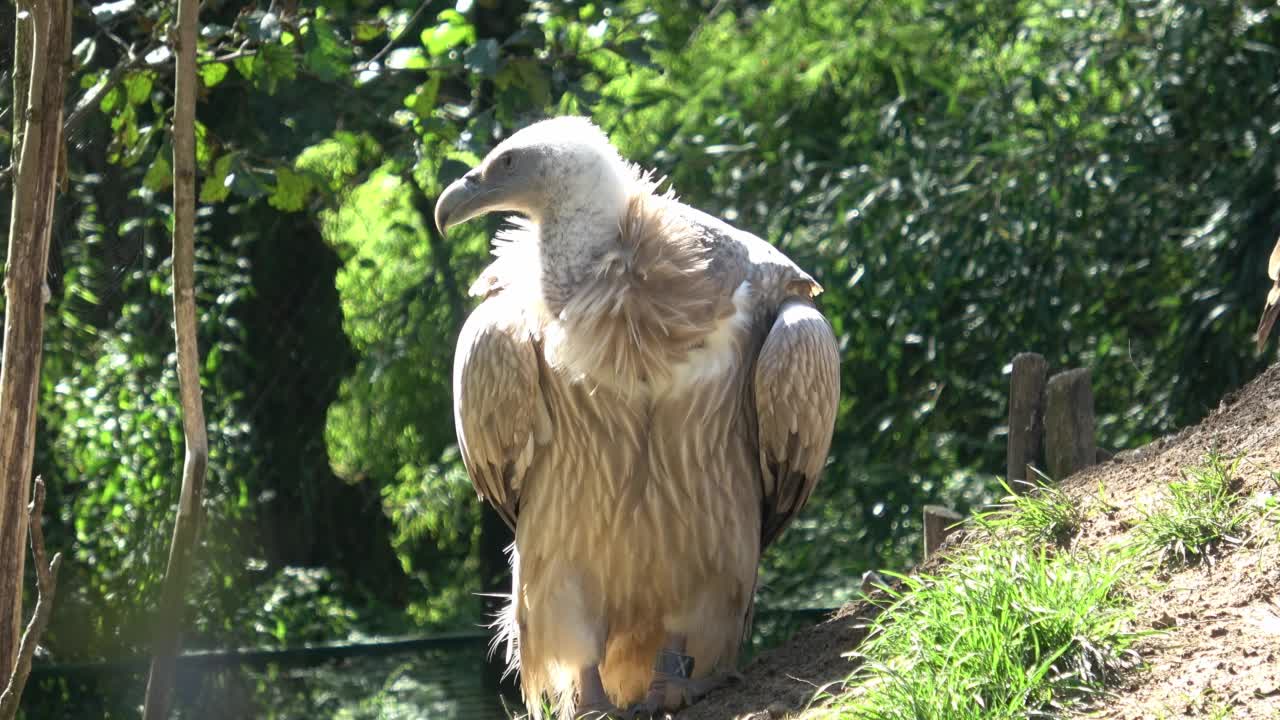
[498,409]
[1272,308]
[797,391]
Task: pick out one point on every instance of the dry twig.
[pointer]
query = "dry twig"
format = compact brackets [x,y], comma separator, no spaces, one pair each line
[46,587]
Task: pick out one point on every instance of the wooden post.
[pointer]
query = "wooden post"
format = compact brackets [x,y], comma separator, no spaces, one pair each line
[187,524]
[43,29]
[939,522]
[1069,441]
[1026,418]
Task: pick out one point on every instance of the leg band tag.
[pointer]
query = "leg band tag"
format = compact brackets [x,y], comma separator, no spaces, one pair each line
[674,664]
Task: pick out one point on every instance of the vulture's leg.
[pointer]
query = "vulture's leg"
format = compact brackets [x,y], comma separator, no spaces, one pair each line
[593,702]
[673,685]
[671,674]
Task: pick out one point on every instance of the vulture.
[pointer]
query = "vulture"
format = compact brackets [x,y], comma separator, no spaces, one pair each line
[1272,308]
[646,395]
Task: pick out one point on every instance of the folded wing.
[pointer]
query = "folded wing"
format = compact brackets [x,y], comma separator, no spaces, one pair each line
[498,409]
[797,391]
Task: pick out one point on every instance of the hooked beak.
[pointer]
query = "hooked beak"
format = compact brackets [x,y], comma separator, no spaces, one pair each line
[462,200]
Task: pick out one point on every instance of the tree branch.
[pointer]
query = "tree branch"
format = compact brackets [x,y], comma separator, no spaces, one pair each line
[46,588]
[187,524]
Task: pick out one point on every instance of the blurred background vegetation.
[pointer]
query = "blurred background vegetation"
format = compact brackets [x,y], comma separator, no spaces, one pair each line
[1097,181]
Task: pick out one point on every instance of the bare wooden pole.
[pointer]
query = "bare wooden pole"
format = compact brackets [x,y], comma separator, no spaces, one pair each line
[1026,417]
[1069,439]
[187,524]
[939,522]
[43,27]
[46,587]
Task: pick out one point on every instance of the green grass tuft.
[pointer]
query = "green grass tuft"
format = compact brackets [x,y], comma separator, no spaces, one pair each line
[1042,513]
[1204,510]
[1005,631]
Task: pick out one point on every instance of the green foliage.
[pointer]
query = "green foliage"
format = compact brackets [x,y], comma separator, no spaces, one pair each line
[1203,511]
[300,606]
[1005,631]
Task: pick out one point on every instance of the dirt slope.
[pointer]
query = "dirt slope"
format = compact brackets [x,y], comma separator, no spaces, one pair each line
[1220,654]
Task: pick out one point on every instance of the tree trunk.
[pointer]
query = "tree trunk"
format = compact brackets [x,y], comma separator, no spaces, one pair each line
[43,71]
[187,525]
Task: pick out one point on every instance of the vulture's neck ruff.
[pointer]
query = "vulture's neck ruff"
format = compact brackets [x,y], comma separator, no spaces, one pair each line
[624,286]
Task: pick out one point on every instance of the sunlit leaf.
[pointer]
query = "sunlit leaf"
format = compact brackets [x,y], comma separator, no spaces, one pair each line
[291,189]
[406,59]
[453,30]
[110,100]
[213,73]
[247,66]
[366,30]
[423,101]
[137,86]
[106,12]
[215,187]
[202,145]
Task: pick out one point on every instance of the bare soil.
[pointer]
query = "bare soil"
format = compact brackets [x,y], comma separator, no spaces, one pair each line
[1217,654]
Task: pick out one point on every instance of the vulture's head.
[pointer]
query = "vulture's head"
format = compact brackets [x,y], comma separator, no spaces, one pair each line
[549,169]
